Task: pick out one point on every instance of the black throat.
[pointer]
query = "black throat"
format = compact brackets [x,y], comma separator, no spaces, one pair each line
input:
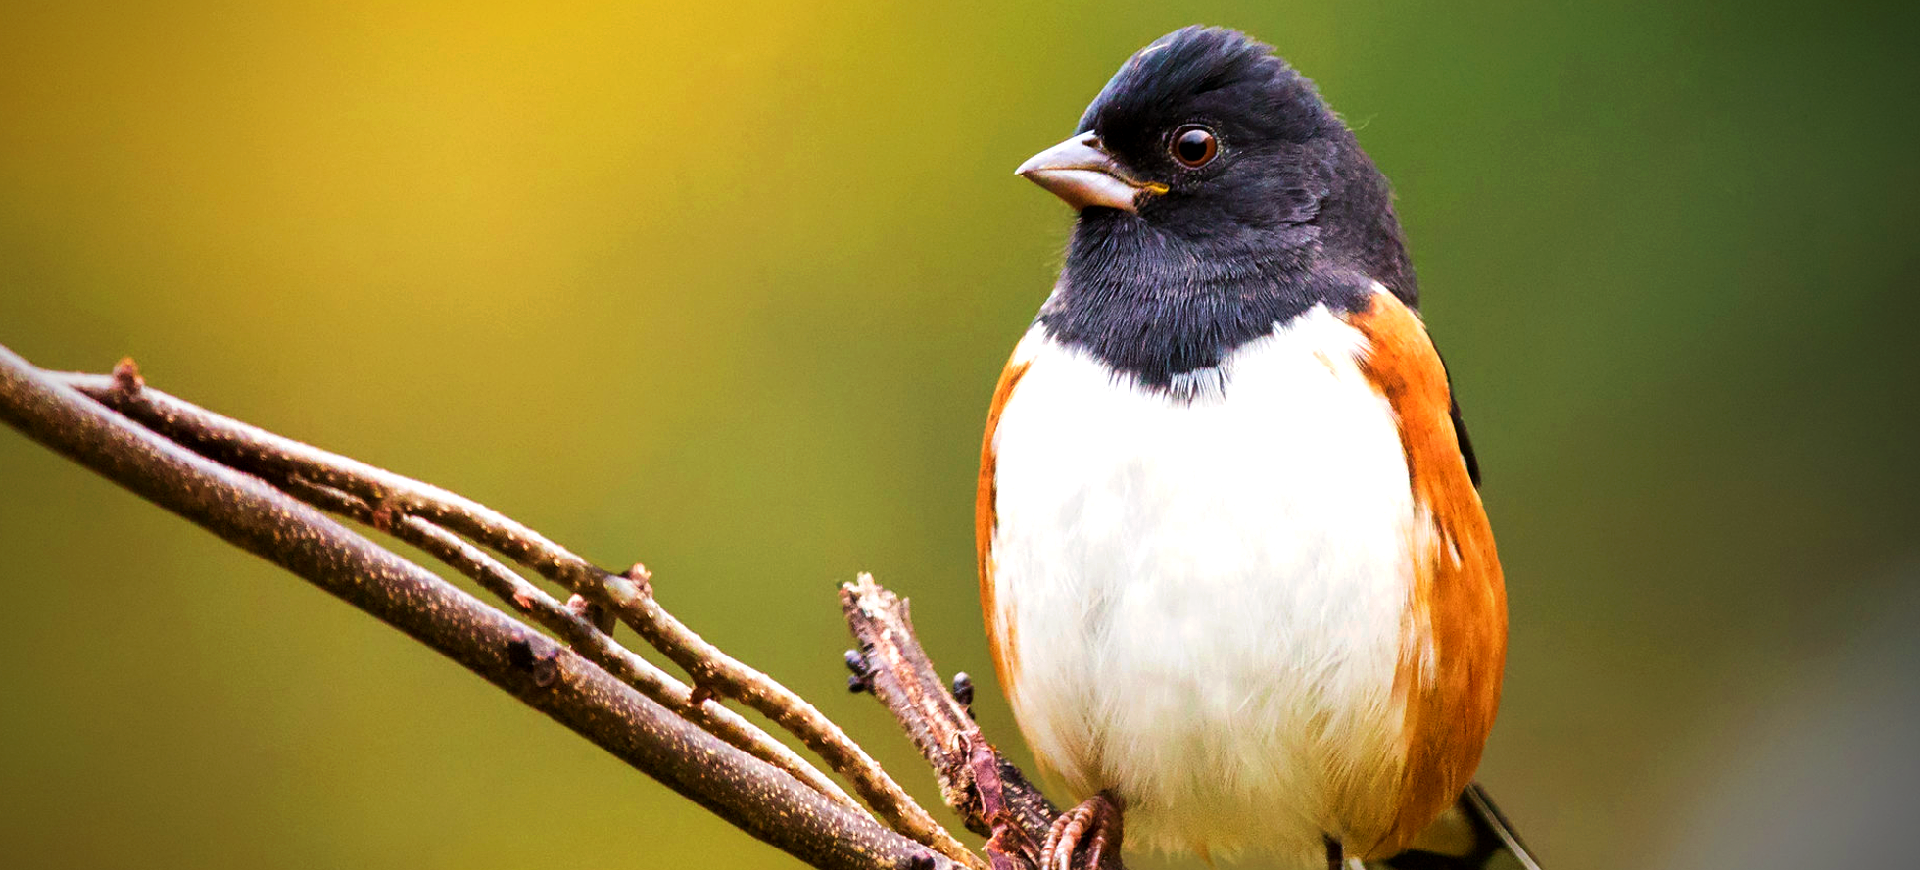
[1167,310]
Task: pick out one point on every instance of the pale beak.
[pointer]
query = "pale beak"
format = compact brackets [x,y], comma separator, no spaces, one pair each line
[1081,172]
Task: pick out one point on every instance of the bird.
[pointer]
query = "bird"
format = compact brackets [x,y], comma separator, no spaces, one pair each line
[1239,584]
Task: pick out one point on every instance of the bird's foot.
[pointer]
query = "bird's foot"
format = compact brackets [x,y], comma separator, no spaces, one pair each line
[1091,829]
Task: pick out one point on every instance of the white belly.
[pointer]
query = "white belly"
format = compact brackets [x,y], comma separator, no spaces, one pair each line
[1208,598]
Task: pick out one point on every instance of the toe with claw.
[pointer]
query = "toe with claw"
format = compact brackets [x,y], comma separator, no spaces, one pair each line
[1091,829]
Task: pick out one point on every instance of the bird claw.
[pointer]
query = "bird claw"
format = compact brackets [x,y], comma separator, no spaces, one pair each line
[1089,829]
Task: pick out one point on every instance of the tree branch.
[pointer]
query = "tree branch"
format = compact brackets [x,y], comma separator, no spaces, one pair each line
[987,790]
[260,492]
[752,794]
[571,624]
[629,596]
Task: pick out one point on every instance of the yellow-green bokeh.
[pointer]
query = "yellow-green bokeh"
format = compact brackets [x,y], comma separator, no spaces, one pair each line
[724,289]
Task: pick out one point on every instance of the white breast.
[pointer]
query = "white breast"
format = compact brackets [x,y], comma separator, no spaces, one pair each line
[1209,597]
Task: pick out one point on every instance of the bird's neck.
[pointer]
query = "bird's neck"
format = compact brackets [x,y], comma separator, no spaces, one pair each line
[1159,307]
[1360,228]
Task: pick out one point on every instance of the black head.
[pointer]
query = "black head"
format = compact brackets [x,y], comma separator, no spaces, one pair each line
[1218,196]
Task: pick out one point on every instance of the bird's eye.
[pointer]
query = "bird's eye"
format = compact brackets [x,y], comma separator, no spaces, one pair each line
[1194,147]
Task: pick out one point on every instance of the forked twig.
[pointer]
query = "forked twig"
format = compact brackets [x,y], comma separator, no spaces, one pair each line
[761,798]
[628,596]
[987,790]
[573,626]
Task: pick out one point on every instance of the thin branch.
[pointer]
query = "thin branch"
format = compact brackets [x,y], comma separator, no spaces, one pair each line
[979,783]
[253,449]
[714,670]
[755,796]
[576,629]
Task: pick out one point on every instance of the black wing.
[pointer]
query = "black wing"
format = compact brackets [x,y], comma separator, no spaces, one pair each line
[1459,424]
[1475,823]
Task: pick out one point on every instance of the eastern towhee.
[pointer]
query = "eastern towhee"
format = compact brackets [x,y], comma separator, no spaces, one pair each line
[1236,573]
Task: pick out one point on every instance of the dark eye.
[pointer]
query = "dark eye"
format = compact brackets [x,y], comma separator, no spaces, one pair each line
[1194,147]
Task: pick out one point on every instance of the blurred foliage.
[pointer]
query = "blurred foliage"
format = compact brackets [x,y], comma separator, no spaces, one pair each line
[725,289]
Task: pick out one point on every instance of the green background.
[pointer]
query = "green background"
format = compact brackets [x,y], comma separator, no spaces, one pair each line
[725,290]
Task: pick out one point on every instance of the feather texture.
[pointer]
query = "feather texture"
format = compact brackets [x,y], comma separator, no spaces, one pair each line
[1220,607]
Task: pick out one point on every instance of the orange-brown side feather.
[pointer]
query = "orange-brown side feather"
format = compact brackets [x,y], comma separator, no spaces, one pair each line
[1450,667]
[1006,657]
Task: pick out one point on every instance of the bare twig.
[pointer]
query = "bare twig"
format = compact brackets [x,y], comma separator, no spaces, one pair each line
[979,783]
[628,596]
[718,672]
[755,796]
[574,627]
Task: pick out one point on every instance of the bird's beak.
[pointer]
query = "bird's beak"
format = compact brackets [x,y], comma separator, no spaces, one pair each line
[1081,172]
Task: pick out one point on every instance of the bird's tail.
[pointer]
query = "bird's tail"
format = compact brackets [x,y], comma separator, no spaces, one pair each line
[1471,835]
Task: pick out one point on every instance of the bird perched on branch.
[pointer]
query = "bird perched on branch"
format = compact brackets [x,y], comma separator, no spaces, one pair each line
[1239,584]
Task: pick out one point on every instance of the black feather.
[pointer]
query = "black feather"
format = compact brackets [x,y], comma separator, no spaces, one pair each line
[1495,845]
[1459,423]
